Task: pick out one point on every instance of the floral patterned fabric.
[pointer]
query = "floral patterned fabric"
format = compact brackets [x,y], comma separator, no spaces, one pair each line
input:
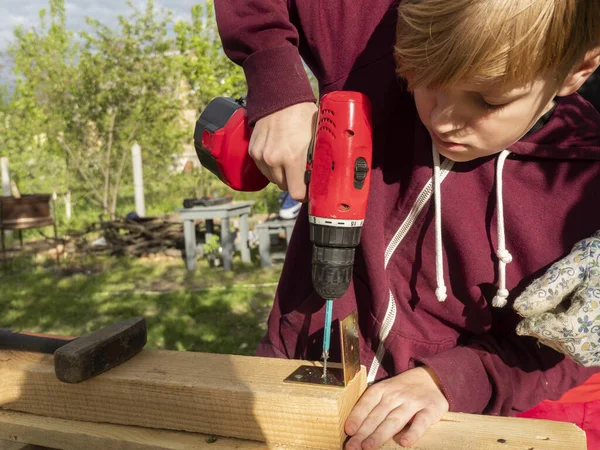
[562,308]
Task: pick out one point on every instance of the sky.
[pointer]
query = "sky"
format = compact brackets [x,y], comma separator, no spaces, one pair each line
[25,12]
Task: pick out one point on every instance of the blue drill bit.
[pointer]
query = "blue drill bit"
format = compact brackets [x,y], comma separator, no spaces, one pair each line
[326,336]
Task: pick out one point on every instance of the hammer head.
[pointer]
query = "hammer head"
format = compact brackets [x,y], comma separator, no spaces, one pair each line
[88,356]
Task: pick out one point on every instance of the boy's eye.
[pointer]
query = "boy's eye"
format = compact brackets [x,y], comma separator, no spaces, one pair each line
[490,106]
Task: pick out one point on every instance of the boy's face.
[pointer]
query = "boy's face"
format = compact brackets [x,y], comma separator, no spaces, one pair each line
[468,121]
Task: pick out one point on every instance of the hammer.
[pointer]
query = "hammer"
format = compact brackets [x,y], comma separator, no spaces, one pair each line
[78,359]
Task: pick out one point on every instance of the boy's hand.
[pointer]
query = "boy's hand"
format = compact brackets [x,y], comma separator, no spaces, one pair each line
[388,406]
[279,146]
[562,308]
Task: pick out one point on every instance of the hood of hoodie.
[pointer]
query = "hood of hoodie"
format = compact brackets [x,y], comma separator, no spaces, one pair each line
[571,132]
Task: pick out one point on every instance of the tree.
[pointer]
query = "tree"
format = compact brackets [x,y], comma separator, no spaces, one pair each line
[206,68]
[129,91]
[43,66]
[209,73]
[91,99]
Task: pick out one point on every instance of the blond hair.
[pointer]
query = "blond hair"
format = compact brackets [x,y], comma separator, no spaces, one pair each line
[512,42]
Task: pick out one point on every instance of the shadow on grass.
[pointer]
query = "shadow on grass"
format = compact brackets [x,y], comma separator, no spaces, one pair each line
[209,310]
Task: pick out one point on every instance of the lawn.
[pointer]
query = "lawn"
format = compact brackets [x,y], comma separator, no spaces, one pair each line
[209,310]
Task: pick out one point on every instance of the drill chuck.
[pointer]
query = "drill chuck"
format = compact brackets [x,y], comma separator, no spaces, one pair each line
[333,258]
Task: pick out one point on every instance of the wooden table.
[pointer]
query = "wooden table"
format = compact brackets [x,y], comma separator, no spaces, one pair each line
[208,213]
[265,230]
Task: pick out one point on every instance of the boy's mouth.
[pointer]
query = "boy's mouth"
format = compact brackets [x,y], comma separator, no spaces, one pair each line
[450,145]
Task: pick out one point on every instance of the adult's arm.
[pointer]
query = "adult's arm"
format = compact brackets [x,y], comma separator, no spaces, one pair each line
[259,36]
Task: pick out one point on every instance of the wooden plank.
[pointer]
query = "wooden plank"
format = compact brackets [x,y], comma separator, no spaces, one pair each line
[75,435]
[458,431]
[225,395]
[7,445]
[455,432]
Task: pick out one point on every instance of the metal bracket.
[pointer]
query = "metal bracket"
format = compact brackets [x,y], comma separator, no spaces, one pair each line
[336,376]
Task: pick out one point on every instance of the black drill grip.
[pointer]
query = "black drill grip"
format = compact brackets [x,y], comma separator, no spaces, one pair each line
[12,340]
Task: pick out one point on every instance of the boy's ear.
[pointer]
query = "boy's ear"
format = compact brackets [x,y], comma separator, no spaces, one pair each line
[579,76]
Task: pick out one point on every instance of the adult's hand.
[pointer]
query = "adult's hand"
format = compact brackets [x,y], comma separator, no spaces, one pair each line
[562,307]
[279,146]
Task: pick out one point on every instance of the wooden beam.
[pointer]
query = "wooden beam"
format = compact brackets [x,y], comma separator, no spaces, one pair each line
[458,431]
[225,395]
[74,435]
[221,395]
[455,432]
[7,445]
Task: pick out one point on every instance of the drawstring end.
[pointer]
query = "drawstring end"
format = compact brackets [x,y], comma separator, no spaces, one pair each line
[500,300]
[440,293]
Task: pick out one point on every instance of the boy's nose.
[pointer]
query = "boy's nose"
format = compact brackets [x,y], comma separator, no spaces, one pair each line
[446,116]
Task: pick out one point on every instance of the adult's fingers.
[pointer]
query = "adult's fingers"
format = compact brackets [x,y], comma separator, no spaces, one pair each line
[279,146]
[552,288]
[573,324]
[576,269]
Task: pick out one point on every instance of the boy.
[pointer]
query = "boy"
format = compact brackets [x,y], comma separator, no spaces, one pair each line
[487,76]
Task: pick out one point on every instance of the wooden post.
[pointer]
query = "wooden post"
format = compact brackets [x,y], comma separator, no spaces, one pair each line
[138,180]
[6,193]
[226,244]
[244,231]
[189,233]
[264,245]
[5,176]
[68,209]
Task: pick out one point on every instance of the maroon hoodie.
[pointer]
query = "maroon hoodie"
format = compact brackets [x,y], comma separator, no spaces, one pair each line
[551,186]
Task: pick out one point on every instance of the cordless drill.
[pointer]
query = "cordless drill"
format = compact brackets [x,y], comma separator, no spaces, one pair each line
[337,175]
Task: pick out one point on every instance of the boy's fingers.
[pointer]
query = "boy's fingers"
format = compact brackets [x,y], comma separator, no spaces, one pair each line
[372,421]
[367,402]
[420,424]
[393,423]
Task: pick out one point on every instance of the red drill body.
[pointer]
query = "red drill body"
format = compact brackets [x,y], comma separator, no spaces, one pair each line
[338,175]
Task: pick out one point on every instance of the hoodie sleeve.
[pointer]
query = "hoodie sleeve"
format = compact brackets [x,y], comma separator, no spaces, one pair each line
[259,36]
[503,375]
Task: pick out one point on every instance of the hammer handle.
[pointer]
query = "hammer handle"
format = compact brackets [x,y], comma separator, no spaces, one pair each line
[31,342]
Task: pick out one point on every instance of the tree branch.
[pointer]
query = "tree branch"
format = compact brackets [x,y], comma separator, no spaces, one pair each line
[81,171]
[132,134]
[111,131]
[117,186]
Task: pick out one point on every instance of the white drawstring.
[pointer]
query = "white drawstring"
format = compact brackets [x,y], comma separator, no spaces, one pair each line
[504,256]
[440,291]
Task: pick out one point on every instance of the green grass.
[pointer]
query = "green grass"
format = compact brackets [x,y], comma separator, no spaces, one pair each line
[209,310]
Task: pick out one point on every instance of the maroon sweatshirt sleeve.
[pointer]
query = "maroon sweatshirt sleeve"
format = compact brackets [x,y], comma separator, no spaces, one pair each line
[259,36]
[503,375]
